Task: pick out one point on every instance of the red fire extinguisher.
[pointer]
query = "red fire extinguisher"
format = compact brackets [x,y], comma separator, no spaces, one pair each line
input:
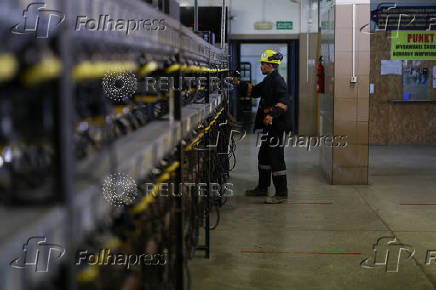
[320,77]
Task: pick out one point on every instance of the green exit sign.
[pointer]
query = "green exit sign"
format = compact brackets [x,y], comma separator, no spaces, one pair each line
[324,24]
[284,25]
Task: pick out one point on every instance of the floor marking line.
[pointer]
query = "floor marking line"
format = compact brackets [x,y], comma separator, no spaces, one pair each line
[300,253]
[310,203]
[297,203]
[417,204]
[327,253]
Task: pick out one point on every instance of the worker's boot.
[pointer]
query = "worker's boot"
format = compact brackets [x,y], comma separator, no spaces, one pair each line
[263,185]
[257,192]
[281,186]
[274,199]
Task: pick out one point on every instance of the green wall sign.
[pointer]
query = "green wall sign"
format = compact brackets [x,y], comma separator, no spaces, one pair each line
[284,25]
[419,45]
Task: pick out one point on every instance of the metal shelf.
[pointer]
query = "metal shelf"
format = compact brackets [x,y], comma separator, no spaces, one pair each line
[175,38]
[137,154]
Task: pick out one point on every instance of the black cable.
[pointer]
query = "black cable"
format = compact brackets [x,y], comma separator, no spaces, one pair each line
[188,275]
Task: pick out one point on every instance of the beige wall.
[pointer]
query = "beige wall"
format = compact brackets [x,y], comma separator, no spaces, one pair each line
[397,123]
[350,106]
[308,119]
[327,14]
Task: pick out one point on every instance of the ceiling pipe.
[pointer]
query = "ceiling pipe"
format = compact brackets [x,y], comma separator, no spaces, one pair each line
[196,15]
[223,23]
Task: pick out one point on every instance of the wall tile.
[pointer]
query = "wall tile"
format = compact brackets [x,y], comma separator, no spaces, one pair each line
[313,49]
[308,96]
[343,63]
[363,42]
[363,59]
[352,156]
[362,86]
[343,89]
[345,110]
[348,129]
[327,99]
[344,39]
[326,124]
[362,155]
[350,176]
[362,133]
[343,19]
[326,163]
[345,157]
[362,109]
[363,14]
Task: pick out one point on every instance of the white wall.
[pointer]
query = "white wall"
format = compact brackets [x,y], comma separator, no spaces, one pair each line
[202,2]
[246,12]
[309,16]
[344,2]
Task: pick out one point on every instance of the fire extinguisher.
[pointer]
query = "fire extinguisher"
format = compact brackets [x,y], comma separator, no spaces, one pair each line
[320,76]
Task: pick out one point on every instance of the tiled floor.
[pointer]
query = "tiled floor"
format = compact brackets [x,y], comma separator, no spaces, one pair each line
[319,238]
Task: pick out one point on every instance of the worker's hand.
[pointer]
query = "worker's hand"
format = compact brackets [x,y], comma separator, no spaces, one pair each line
[267,110]
[249,90]
[268,120]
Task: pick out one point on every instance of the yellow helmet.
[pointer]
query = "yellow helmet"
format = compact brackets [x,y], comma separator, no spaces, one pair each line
[271,56]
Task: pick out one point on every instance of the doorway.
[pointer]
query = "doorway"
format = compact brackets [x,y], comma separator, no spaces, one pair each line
[249,51]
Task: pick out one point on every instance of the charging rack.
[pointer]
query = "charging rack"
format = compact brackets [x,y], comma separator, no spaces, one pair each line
[81,207]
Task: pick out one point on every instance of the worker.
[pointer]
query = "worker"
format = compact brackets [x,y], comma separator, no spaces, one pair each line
[274,117]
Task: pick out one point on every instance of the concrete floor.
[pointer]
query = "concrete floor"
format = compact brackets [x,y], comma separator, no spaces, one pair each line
[319,238]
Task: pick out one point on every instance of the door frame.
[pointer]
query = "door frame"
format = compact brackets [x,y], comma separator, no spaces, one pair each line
[292,67]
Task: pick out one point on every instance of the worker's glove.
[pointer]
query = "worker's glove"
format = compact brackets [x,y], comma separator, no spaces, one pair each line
[268,120]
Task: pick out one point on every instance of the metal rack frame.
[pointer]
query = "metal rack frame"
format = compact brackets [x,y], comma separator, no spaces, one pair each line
[79,201]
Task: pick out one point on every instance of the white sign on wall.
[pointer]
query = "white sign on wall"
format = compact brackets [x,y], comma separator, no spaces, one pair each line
[391,67]
[434,77]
